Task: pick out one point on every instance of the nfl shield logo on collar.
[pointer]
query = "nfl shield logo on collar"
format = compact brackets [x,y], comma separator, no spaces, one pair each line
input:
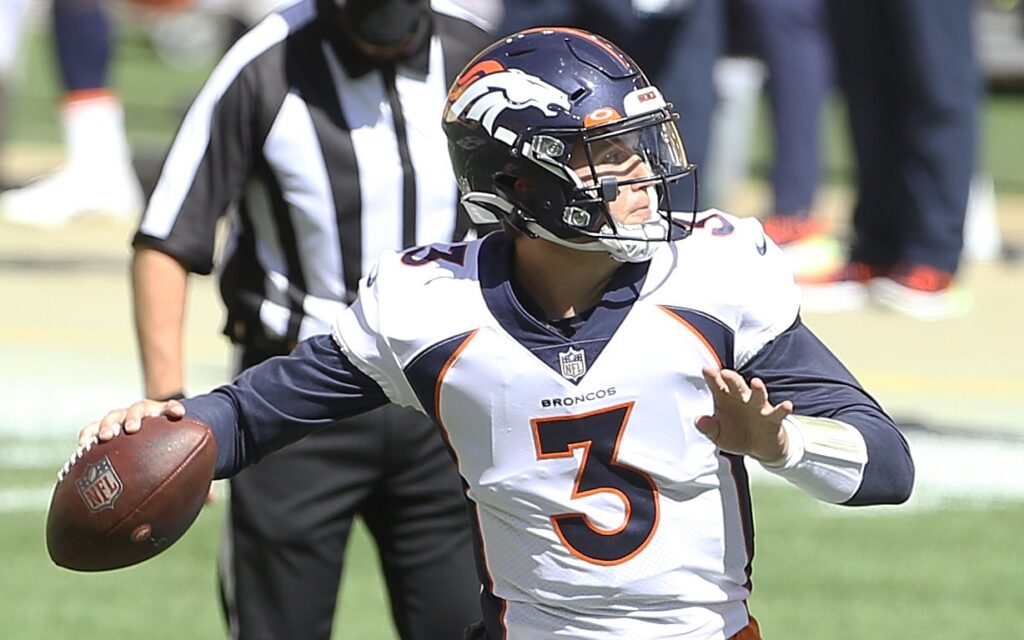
[99,486]
[573,363]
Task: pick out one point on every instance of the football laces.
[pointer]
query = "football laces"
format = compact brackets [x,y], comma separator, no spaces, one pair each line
[75,457]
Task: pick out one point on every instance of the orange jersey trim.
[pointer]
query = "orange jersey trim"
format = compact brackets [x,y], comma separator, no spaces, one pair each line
[444,372]
[698,334]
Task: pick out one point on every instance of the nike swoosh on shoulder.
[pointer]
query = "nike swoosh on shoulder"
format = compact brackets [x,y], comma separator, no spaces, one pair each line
[762,245]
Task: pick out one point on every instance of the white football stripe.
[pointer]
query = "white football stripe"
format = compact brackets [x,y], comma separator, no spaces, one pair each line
[952,470]
[42,454]
[371,125]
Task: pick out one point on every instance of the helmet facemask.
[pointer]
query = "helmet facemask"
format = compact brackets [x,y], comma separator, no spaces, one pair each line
[616,179]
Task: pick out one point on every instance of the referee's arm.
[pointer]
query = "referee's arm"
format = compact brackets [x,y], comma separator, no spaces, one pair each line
[159,284]
[205,170]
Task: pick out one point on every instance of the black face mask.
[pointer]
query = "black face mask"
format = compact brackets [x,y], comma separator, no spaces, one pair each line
[383,23]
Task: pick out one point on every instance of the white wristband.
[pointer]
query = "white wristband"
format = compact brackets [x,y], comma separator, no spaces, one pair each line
[824,457]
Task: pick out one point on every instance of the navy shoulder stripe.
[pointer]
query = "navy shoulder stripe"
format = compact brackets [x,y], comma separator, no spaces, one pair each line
[718,337]
[426,371]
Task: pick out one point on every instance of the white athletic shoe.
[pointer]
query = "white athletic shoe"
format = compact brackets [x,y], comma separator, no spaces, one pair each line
[98,177]
[69,193]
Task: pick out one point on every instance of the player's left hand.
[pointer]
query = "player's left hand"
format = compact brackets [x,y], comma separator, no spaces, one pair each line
[744,422]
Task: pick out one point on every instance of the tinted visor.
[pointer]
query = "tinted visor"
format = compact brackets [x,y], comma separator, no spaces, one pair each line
[642,149]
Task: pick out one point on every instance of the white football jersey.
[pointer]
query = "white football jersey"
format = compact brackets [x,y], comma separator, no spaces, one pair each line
[601,511]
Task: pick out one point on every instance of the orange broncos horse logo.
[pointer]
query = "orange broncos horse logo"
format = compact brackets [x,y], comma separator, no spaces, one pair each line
[488,89]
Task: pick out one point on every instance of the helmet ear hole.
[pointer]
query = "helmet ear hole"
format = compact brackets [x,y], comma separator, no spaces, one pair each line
[512,188]
[506,183]
[522,185]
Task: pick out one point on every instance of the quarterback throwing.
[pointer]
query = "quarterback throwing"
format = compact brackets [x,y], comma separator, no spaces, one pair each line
[602,368]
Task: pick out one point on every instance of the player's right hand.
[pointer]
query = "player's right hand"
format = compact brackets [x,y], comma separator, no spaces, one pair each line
[744,421]
[129,419]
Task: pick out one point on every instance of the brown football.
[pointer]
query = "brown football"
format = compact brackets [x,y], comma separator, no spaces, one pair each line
[123,501]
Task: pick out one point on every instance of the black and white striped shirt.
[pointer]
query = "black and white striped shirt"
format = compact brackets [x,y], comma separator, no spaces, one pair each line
[330,158]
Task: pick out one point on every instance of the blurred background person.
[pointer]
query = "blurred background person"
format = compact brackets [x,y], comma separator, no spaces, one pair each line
[97,176]
[13,20]
[675,41]
[320,129]
[913,90]
[792,39]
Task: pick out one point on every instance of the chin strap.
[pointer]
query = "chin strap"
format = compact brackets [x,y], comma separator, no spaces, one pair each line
[581,245]
[639,246]
[485,208]
[637,243]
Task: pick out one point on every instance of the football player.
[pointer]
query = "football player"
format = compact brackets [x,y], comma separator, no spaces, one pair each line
[601,368]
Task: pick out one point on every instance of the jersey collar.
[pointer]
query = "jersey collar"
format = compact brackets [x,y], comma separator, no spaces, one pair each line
[535,335]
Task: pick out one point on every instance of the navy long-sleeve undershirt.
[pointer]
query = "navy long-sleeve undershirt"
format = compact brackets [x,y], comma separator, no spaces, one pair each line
[286,398]
[796,366]
[283,400]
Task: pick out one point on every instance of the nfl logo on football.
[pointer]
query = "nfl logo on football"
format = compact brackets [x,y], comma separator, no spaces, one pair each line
[573,363]
[99,486]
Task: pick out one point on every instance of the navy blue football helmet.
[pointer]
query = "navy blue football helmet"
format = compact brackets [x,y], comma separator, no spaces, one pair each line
[535,120]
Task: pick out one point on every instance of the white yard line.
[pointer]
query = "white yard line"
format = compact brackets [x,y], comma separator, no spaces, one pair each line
[30,454]
[952,470]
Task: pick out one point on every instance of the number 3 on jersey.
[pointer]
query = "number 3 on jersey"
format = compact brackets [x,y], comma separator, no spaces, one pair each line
[598,434]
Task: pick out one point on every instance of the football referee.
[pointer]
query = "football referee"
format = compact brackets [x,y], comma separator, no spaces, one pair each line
[319,136]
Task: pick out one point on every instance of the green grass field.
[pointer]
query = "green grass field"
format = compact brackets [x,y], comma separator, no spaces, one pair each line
[820,572]
[170,597]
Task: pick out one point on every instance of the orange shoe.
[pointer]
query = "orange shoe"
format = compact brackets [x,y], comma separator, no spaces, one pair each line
[920,291]
[921,277]
[845,289]
[811,251]
[787,229]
